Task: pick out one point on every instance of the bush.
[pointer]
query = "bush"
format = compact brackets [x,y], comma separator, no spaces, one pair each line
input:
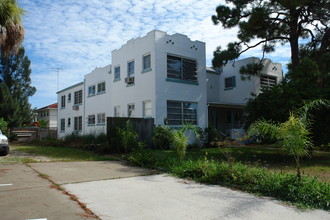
[162,137]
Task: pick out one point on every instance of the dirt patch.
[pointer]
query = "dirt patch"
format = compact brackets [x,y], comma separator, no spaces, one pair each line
[19,156]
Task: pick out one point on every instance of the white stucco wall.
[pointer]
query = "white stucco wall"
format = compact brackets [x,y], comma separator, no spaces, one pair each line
[143,88]
[98,103]
[68,112]
[243,89]
[179,45]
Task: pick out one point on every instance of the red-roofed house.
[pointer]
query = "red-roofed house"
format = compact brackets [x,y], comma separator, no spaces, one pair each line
[48,114]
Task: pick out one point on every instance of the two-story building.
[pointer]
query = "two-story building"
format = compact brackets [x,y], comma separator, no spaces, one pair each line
[160,76]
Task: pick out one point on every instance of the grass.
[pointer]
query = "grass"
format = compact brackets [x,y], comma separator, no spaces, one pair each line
[250,169]
[270,157]
[53,154]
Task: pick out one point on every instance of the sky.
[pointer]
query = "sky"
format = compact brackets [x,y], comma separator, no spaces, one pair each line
[67,39]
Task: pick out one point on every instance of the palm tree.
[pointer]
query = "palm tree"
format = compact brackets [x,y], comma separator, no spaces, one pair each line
[294,134]
[11,28]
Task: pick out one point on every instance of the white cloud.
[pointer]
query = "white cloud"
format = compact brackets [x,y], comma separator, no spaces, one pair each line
[80,35]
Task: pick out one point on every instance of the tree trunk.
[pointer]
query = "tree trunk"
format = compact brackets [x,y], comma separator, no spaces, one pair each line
[298,167]
[294,36]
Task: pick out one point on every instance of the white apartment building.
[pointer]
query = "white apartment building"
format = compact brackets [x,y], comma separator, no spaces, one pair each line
[159,75]
[163,77]
[228,93]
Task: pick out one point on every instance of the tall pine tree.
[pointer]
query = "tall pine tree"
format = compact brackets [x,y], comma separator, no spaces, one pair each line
[15,88]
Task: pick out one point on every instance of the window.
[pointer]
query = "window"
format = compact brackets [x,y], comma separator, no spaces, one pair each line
[91,90]
[63,101]
[130,68]
[146,62]
[101,118]
[69,122]
[181,112]
[47,113]
[101,87]
[69,97]
[117,111]
[62,124]
[78,97]
[78,123]
[130,110]
[230,82]
[181,68]
[147,109]
[267,81]
[91,119]
[117,73]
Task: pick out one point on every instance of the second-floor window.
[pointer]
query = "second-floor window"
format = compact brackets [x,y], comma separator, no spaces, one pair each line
[130,68]
[63,101]
[101,87]
[91,90]
[78,97]
[230,82]
[69,97]
[181,68]
[117,73]
[267,81]
[146,62]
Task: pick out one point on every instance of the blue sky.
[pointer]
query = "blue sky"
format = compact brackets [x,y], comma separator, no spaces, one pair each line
[78,36]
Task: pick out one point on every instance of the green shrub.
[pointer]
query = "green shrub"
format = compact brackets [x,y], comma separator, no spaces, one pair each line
[180,142]
[162,137]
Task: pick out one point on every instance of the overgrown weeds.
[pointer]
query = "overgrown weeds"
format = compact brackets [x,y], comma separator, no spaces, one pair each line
[303,192]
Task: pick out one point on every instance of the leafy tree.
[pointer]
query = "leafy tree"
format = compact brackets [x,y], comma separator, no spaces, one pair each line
[266,23]
[294,134]
[11,28]
[15,88]
[3,125]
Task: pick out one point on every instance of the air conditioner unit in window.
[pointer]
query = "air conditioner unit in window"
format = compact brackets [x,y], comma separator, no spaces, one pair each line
[75,107]
[129,80]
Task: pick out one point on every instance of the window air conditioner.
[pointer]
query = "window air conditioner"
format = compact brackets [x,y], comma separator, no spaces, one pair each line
[129,80]
[75,107]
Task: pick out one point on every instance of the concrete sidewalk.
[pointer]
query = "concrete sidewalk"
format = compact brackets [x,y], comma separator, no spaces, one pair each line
[25,195]
[165,197]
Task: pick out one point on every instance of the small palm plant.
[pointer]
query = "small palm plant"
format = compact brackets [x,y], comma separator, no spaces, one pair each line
[294,134]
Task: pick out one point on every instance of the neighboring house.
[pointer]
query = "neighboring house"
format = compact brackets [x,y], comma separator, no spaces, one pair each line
[159,75]
[228,93]
[47,114]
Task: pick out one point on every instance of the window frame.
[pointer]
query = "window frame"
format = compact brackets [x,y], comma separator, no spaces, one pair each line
[93,90]
[183,73]
[69,97]
[62,125]
[144,108]
[181,112]
[116,111]
[130,111]
[62,101]
[144,67]
[102,117]
[77,123]
[230,82]
[91,120]
[130,69]
[116,74]
[78,97]
[103,87]
[69,122]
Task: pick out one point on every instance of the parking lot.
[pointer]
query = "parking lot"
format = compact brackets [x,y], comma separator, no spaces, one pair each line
[114,190]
